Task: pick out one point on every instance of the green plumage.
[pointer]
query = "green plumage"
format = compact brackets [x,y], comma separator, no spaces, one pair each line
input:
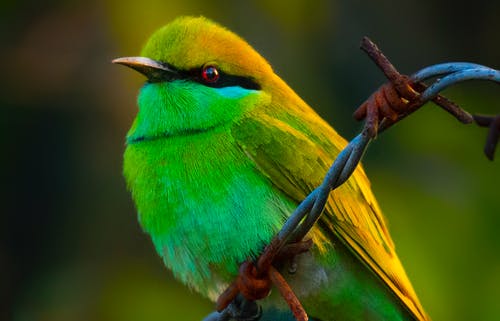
[215,170]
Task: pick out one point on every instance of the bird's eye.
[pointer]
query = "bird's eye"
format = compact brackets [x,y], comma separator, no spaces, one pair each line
[210,74]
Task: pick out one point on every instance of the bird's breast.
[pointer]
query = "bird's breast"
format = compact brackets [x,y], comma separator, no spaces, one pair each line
[204,204]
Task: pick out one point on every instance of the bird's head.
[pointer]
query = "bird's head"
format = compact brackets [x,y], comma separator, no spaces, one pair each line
[199,76]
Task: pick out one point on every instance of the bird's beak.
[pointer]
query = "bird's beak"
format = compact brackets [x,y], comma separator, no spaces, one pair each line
[155,71]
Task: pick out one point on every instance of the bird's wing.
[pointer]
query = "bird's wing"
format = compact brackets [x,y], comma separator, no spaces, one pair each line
[295,157]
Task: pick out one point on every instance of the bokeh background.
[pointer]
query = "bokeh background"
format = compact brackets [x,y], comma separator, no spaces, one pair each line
[71,248]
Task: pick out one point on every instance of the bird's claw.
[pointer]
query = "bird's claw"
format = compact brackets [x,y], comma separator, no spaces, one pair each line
[243,310]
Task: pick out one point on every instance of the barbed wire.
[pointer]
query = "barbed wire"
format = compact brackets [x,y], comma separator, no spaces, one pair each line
[392,102]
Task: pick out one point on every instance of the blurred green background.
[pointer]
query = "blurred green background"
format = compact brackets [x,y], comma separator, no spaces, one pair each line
[71,248]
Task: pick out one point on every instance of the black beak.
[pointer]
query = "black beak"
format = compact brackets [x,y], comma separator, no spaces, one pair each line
[155,71]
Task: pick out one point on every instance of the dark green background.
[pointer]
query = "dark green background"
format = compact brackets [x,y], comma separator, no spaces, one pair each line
[71,248]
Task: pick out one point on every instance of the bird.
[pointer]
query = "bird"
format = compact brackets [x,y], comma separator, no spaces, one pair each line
[219,155]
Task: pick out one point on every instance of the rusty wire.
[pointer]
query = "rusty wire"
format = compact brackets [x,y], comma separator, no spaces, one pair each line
[391,103]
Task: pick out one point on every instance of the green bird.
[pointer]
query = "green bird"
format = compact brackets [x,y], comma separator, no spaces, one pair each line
[221,152]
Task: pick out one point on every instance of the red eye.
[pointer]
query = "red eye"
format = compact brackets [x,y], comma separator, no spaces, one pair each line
[210,74]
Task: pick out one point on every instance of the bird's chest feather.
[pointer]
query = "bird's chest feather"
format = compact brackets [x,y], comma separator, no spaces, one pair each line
[204,204]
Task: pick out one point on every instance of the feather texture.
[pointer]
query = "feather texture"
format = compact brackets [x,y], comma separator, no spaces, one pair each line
[214,172]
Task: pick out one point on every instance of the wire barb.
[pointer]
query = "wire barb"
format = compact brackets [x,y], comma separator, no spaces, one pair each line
[493,122]
[398,98]
[287,293]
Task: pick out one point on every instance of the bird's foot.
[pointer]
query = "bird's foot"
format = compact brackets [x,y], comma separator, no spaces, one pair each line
[239,309]
[242,310]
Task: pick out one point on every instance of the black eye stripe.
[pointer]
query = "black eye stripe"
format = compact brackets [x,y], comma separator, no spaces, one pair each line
[224,80]
[195,74]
